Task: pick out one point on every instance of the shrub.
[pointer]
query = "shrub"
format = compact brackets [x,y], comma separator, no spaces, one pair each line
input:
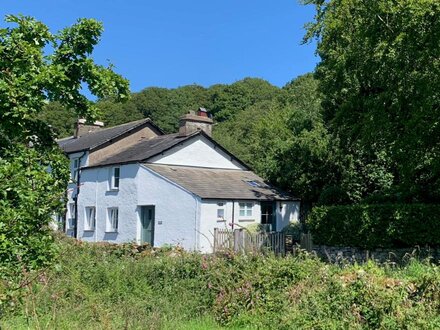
[294,229]
[378,225]
[333,195]
[104,286]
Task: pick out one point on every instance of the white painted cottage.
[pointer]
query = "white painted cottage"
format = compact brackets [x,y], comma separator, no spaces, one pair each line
[133,183]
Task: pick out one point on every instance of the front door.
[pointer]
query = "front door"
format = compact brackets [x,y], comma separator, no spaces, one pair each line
[268,216]
[147,224]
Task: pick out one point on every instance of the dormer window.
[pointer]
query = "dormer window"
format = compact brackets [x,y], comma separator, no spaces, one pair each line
[115,176]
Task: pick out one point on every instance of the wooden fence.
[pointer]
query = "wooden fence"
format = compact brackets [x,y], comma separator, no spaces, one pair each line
[241,240]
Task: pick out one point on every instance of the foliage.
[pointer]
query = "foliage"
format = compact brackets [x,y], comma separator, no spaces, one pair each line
[37,67]
[96,286]
[285,140]
[376,225]
[379,76]
[229,100]
[59,118]
[333,195]
[295,229]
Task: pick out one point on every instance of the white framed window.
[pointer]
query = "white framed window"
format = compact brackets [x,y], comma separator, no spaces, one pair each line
[112,219]
[60,221]
[245,209]
[75,169]
[220,211]
[115,177]
[71,222]
[90,219]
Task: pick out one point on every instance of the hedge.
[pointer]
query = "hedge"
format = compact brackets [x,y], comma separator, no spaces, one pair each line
[376,225]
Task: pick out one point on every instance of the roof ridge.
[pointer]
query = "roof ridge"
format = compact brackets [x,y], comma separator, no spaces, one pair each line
[116,126]
[200,167]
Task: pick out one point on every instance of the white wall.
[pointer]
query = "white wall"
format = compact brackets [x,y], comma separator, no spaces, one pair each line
[176,210]
[95,191]
[289,212]
[209,220]
[198,151]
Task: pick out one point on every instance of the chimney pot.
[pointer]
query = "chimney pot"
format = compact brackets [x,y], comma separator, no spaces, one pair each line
[82,128]
[195,121]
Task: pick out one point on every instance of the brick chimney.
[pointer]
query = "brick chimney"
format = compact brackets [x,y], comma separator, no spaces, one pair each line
[82,128]
[195,121]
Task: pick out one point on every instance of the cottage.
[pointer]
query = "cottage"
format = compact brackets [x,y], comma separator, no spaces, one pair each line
[133,183]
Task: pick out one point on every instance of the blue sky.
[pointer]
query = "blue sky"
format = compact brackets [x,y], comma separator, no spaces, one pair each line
[171,43]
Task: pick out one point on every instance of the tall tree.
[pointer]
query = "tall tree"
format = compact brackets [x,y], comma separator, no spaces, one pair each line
[380,77]
[285,140]
[29,79]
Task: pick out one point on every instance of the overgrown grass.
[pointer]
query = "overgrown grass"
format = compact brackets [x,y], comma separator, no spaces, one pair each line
[110,287]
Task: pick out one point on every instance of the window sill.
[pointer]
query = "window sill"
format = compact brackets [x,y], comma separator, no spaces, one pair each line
[113,189]
[221,220]
[89,230]
[111,231]
[246,220]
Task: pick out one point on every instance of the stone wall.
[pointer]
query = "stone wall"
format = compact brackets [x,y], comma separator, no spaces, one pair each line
[349,254]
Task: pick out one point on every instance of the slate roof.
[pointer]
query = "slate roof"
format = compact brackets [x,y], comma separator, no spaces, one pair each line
[145,149]
[209,183]
[98,138]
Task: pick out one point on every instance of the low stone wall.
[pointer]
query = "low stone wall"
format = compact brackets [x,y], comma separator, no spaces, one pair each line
[337,254]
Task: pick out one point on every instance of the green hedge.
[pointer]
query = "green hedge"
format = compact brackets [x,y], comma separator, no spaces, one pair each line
[376,225]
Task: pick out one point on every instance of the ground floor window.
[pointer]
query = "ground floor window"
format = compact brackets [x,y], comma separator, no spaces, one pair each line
[112,219]
[90,218]
[220,211]
[72,214]
[245,209]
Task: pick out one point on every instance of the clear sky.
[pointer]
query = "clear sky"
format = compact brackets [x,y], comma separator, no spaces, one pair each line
[170,43]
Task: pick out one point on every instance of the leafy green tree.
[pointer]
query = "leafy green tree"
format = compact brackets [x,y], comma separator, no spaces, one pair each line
[285,140]
[228,100]
[60,119]
[29,79]
[380,78]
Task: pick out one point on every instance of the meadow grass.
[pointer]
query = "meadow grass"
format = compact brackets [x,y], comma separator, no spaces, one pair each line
[97,286]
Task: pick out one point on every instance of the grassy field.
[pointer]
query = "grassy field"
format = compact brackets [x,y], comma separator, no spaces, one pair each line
[109,287]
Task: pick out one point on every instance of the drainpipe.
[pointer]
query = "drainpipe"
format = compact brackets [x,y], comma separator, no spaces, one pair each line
[233,214]
[66,196]
[96,206]
[196,226]
[75,231]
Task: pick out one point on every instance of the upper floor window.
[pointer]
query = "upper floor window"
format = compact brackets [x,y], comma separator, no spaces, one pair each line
[245,209]
[75,169]
[90,218]
[115,177]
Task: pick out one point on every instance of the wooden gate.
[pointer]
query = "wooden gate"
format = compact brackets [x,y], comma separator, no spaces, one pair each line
[241,240]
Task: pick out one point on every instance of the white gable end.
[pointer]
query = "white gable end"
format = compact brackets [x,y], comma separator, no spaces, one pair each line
[199,152]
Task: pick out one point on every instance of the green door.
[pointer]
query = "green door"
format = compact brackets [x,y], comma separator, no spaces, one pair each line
[147,222]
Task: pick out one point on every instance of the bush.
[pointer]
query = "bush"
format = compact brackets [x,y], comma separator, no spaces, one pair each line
[294,229]
[333,196]
[104,286]
[375,226]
